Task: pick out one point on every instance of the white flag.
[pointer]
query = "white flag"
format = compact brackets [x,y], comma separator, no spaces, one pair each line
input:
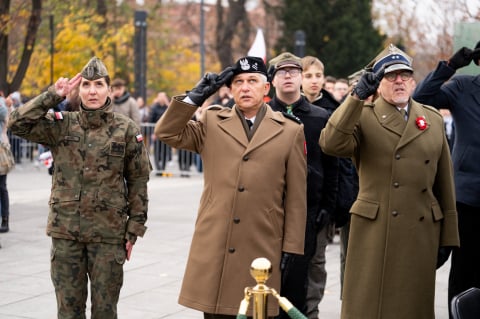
[258,48]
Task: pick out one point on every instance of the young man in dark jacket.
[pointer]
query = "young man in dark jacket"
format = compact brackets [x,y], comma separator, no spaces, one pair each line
[286,72]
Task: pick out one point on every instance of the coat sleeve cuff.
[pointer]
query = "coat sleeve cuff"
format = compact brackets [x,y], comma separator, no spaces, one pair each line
[449,235]
[135,229]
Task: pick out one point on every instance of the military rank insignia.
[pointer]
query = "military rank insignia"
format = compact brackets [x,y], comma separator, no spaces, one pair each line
[139,138]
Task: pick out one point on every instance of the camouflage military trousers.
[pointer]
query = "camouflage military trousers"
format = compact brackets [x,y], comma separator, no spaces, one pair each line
[73,264]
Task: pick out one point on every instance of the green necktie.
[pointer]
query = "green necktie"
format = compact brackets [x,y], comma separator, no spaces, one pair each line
[289,109]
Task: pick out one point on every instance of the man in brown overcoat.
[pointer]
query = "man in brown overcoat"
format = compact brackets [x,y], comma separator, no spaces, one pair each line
[405,212]
[254,198]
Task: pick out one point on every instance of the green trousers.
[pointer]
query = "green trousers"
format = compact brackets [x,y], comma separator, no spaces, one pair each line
[73,265]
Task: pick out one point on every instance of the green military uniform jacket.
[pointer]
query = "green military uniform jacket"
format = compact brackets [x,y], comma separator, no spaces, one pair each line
[99,187]
[404,211]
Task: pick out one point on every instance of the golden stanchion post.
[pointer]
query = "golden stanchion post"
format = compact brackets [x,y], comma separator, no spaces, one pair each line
[261,269]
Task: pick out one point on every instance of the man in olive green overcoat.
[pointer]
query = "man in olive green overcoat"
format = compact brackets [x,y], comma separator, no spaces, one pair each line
[404,217]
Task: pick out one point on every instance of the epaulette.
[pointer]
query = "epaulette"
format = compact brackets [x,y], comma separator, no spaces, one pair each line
[214,107]
[368,104]
[433,109]
[292,117]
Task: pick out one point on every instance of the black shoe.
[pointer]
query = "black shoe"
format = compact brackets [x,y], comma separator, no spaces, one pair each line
[4,228]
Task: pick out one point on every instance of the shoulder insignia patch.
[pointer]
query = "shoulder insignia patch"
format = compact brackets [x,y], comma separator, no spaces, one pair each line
[139,138]
[58,116]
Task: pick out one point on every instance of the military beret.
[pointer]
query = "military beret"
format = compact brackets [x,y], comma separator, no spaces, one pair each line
[248,64]
[94,69]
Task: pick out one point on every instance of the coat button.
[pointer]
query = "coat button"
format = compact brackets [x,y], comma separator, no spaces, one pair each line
[231,250]
[427,161]
[397,156]
[245,158]
[395,213]
[236,220]
[396,184]
[241,189]
[421,219]
[424,190]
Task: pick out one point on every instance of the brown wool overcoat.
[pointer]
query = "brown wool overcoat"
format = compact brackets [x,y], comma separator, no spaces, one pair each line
[253,202]
[404,211]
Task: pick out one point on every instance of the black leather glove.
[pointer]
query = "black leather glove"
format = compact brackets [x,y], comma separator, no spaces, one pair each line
[476,56]
[208,85]
[322,220]
[443,254]
[461,58]
[368,84]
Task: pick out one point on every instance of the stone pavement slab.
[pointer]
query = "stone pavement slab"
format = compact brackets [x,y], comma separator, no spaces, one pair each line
[153,275]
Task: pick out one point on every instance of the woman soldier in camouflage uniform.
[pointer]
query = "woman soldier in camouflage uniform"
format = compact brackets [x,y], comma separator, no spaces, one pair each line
[98,203]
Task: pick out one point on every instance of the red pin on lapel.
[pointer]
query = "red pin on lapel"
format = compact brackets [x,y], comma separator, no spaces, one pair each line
[421,123]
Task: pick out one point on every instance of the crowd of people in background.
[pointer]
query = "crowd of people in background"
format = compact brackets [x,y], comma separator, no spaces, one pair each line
[349,126]
[146,115]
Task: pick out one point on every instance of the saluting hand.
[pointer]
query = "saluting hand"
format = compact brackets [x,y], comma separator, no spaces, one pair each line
[208,85]
[368,84]
[63,86]
[461,58]
[476,56]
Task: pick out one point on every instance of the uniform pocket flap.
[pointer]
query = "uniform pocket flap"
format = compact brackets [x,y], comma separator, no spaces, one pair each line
[111,199]
[437,212]
[64,195]
[365,209]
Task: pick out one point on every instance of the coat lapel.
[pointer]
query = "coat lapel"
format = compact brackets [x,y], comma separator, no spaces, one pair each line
[412,131]
[389,117]
[271,126]
[231,124]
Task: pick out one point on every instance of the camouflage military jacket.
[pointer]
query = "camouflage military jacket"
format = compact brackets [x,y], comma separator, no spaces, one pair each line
[99,186]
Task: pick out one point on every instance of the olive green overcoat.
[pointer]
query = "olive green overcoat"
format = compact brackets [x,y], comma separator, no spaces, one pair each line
[253,202]
[404,211]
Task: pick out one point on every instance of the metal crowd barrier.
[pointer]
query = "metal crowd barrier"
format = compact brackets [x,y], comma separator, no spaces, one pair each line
[166,161]
[23,151]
